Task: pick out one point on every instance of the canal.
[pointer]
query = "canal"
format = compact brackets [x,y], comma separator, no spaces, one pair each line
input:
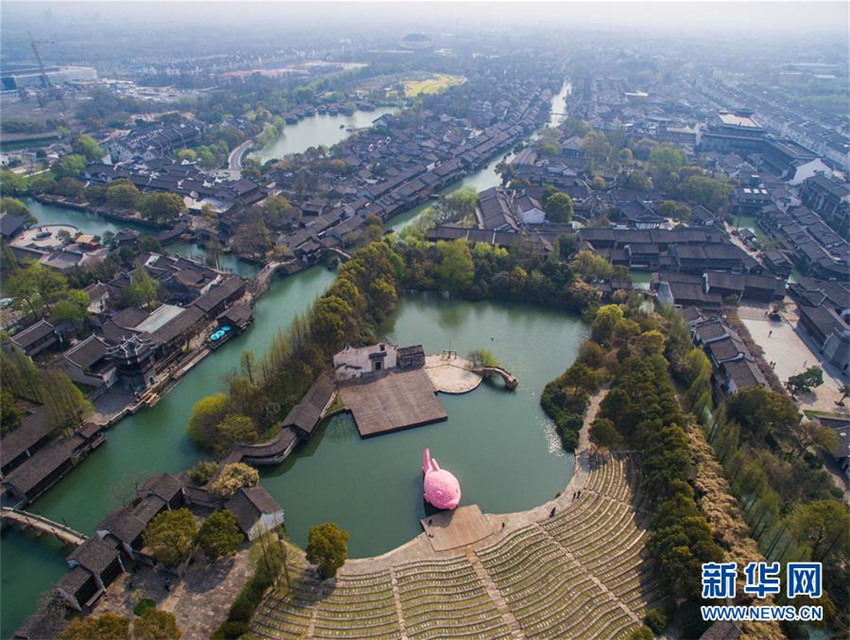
[499,444]
[319,130]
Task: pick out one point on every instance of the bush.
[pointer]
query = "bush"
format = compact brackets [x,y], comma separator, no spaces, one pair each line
[655,620]
[143,606]
[642,633]
[232,630]
[201,473]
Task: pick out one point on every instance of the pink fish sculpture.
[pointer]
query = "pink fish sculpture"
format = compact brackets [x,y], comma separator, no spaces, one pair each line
[441,487]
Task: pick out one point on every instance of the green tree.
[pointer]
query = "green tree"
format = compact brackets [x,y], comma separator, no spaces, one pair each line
[170,536]
[122,194]
[201,473]
[68,167]
[161,207]
[328,548]
[642,633]
[207,413]
[88,147]
[143,290]
[655,620]
[21,376]
[591,266]
[12,184]
[38,286]
[233,429]
[73,308]
[805,381]
[760,412]
[65,404]
[187,154]
[156,624]
[105,627]
[233,477]
[607,318]
[708,192]
[10,415]
[15,207]
[603,433]
[483,357]
[559,208]
[220,534]
[822,527]
[456,268]
[666,159]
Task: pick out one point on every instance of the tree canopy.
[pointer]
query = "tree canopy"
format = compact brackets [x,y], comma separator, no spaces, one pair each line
[233,477]
[108,626]
[156,624]
[328,548]
[170,536]
[220,534]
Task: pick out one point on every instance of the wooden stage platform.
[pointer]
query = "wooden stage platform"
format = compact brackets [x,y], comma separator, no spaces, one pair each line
[392,401]
[457,528]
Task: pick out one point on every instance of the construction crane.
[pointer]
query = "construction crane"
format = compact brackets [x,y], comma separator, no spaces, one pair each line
[44,79]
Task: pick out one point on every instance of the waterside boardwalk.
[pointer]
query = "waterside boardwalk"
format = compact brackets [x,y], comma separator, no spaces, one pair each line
[40,524]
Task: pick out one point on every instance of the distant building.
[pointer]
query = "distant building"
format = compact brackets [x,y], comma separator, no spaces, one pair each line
[32,78]
[733,131]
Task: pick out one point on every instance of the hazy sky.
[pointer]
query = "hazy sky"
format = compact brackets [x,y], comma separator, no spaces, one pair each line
[755,17]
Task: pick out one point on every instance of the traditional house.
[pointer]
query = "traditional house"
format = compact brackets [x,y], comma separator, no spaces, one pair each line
[256,511]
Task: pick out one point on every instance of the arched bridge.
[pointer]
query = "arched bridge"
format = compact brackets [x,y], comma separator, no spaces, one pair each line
[485,372]
[41,524]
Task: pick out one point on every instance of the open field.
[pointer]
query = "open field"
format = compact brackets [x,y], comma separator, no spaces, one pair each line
[436,83]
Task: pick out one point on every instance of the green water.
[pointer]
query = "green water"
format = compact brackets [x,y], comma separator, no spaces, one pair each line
[317,130]
[97,225]
[499,444]
[153,440]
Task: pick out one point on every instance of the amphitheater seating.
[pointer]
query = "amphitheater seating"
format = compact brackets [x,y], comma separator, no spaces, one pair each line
[580,574]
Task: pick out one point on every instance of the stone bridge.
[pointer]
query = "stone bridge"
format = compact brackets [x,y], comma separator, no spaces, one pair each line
[485,372]
[40,524]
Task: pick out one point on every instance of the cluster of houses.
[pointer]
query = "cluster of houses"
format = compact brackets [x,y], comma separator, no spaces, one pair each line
[118,545]
[129,347]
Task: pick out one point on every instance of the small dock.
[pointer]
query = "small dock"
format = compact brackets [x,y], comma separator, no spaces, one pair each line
[392,401]
[457,528]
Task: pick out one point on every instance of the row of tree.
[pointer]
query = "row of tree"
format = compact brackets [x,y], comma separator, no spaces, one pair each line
[263,392]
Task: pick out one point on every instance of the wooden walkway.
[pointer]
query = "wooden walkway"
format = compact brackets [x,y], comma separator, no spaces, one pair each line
[41,524]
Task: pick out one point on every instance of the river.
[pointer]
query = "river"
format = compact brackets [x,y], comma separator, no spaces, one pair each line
[315,131]
[498,443]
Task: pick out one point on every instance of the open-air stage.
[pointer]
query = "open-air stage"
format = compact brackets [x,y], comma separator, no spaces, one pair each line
[391,401]
[457,528]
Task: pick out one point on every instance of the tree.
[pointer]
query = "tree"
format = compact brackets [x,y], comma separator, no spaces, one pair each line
[155,624]
[206,415]
[483,357]
[591,266]
[456,268]
[233,429]
[68,167]
[122,194]
[760,412]
[187,154]
[220,534]
[170,536]
[106,627]
[602,327]
[327,547]
[642,633]
[822,526]
[234,476]
[655,620]
[38,286]
[10,415]
[708,192]
[603,432]
[805,381]
[73,308]
[201,473]
[65,404]
[15,207]
[666,159]
[143,290]
[559,208]
[161,207]
[12,183]
[88,147]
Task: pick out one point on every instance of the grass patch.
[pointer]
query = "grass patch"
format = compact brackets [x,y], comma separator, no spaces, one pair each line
[436,83]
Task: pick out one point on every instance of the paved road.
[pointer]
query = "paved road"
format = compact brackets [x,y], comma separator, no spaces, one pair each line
[234,160]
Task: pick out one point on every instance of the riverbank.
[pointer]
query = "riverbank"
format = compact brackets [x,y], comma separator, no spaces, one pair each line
[105,212]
